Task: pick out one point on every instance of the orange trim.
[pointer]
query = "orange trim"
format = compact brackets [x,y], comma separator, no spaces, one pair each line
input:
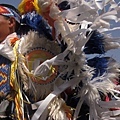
[12,41]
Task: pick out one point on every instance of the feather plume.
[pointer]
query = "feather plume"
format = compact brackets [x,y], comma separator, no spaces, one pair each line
[95,80]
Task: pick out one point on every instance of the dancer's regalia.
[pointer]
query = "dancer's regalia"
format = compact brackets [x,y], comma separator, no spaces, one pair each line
[11,102]
[59,80]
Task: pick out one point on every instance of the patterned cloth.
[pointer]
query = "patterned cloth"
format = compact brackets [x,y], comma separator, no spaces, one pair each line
[4,76]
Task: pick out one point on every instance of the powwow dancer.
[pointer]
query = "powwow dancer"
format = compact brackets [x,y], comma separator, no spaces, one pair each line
[62,85]
[11,101]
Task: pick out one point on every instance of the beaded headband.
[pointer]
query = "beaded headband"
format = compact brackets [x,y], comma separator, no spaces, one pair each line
[10,13]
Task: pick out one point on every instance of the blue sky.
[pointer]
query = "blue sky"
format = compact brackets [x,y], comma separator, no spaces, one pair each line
[114,53]
[12,2]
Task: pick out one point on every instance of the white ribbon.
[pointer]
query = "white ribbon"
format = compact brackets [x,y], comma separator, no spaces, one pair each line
[50,97]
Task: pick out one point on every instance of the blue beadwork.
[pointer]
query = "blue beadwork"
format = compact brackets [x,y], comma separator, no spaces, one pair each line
[4,75]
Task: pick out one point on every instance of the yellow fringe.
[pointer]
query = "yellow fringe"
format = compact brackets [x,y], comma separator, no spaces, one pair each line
[37,8]
[15,85]
[28,6]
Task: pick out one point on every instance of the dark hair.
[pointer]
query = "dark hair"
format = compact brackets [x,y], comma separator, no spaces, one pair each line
[14,9]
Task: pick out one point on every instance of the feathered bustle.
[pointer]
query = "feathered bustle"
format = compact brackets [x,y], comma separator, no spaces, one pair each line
[69,76]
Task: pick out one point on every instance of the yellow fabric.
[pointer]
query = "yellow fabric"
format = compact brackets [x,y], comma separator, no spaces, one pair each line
[15,85]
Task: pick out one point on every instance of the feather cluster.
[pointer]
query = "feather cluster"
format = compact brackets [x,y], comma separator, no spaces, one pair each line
[81,29]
